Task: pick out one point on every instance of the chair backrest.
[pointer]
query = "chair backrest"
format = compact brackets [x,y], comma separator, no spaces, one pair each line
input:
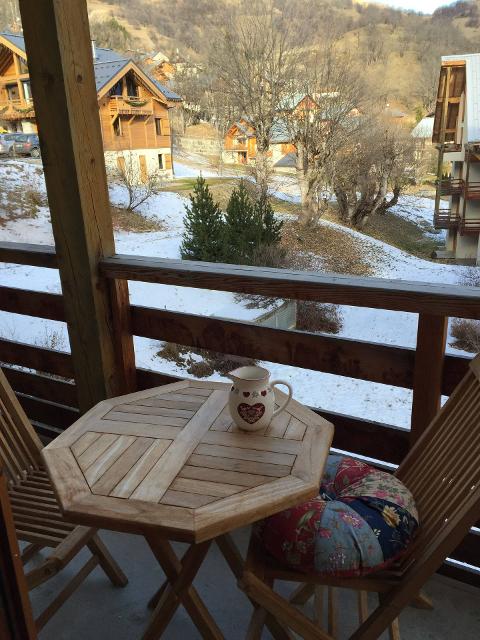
[16,620]
[443,472]
[19,444]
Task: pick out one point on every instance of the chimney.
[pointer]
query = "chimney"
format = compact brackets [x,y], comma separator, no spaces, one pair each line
[94,50]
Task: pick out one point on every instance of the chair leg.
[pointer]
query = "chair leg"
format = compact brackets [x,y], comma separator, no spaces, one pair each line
[332,612]
[362,601]
[318,604]
[394,630]
[302,593]
[63,596]
[422,601]
[256,624]
[106,561]
[281,609]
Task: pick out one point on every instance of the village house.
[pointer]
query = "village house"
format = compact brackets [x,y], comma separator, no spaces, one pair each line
[240,145]
[134,107]
[456,132]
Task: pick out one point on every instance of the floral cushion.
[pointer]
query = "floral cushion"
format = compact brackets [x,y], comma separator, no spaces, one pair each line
[362,521]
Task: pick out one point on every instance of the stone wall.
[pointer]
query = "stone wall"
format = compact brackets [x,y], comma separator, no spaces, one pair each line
[206,146]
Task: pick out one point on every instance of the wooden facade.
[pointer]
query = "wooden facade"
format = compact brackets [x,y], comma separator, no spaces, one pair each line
[240,144]
[133,108]
[456,134]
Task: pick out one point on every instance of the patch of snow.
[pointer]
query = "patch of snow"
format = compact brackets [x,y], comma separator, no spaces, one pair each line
[332,393]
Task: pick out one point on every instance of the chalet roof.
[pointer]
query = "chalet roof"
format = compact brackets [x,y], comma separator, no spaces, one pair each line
[288,160]
[472,112]
[106,65]
[424,129]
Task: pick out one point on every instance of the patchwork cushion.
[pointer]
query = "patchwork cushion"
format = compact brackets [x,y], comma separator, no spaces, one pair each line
[362,521]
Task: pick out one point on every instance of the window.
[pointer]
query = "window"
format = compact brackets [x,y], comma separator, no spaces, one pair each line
[26,89]
[160,161]
[158,126]
[117,127]
[132,87]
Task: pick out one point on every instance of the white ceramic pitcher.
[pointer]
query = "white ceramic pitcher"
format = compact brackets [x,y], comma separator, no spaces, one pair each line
[252,399]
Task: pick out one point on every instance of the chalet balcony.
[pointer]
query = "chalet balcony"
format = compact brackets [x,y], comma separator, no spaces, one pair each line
[472,191]
[450,186]
[445,219]
[130,105]
[469,225]
[16,109]
[450,147]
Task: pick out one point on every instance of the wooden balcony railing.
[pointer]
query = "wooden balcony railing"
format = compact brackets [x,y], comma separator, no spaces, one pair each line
[16,109]
[131,105]
[450,186]
[44,378]
[472,191]
[450,147]
[469,225]
[446,219]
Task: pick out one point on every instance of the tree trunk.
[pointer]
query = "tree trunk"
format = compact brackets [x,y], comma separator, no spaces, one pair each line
[262,170]
[306,184]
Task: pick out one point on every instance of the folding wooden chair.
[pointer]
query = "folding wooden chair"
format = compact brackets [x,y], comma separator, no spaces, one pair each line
[37,516]
[442,471]
[16,619]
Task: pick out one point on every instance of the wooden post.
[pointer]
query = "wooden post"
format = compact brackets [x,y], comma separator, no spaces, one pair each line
[443,126]
[428,374]
[60,62]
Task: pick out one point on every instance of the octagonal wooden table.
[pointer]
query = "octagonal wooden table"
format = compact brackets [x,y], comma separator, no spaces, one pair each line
[169,464]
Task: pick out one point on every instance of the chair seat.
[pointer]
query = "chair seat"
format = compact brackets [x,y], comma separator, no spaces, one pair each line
[36,512]
[362,521]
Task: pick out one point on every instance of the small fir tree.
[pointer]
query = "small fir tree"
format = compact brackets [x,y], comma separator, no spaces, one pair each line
[271,227]
[204,225]
[243,229]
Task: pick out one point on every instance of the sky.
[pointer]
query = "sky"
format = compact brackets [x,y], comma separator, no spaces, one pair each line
[426,6]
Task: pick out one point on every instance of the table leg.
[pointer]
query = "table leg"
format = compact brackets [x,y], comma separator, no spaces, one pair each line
[180,575]
[234,559]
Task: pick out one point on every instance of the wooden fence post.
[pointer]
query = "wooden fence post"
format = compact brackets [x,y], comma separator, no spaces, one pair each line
[60,63]
[428,374]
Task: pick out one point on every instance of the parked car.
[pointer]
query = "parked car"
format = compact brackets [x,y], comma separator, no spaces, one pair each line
[26,144]
[7,141]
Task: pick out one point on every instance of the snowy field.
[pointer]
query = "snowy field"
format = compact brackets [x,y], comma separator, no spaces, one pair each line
[333,393]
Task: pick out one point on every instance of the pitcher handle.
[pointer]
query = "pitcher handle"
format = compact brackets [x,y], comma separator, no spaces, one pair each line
[290,392]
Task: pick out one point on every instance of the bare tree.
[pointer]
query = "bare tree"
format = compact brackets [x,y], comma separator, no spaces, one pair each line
[320,116]
[140,185]
[255,60]
[368,174]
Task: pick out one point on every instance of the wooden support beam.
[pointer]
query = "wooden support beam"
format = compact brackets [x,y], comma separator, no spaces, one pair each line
[60,61]
[428,374]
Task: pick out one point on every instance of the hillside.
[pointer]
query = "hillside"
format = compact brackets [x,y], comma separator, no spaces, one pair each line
[399,50]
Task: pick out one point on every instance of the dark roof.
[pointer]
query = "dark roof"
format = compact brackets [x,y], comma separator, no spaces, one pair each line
[105,71]
[288,160]
[107,64]
[16,39]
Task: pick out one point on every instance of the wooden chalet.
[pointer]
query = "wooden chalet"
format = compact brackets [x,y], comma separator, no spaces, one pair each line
[456,134]
[56,387]
[133,106]
[240,146]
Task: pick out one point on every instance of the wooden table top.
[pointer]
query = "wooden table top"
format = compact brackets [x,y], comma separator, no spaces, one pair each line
[172,460]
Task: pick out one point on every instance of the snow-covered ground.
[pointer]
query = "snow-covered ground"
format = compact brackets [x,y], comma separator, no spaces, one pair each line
[334,393]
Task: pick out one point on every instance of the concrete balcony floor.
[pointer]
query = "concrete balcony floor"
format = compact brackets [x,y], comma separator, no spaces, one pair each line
[98,611]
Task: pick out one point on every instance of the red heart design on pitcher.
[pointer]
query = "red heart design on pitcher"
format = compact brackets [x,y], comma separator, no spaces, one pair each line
[251,413]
